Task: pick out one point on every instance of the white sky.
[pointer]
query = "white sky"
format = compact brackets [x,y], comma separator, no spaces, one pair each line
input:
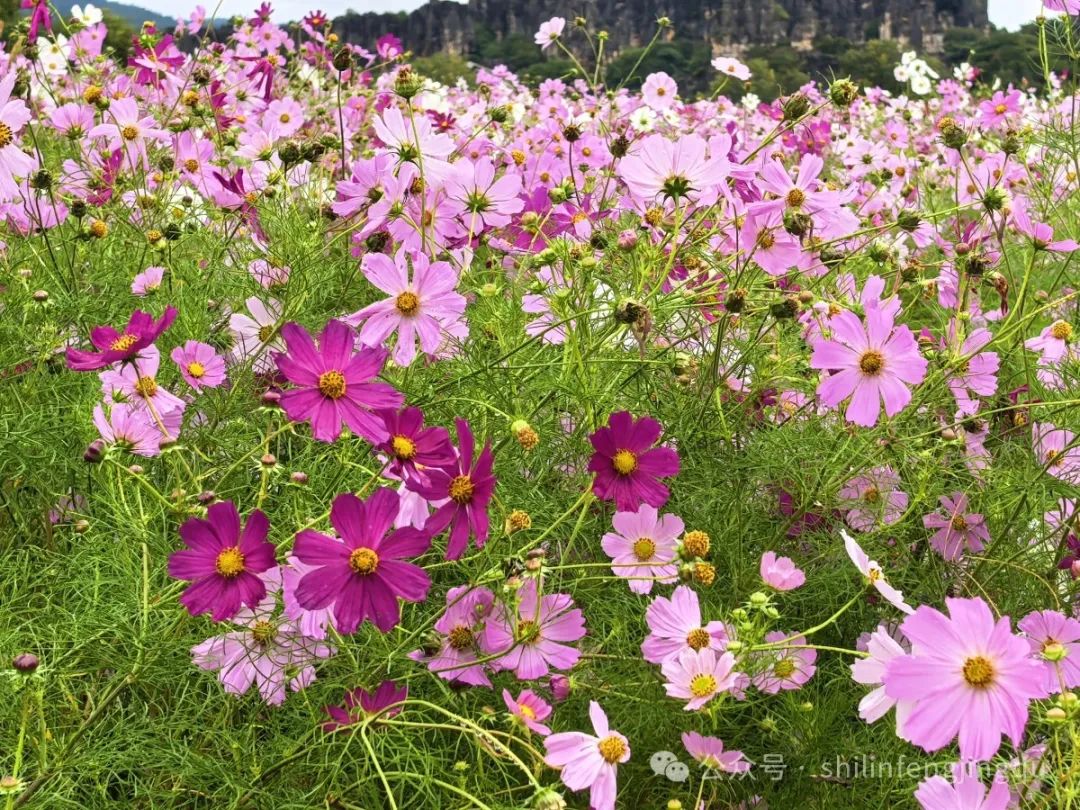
[1008,13]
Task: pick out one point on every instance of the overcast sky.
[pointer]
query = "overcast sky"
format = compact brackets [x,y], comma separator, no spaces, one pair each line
[1008,13]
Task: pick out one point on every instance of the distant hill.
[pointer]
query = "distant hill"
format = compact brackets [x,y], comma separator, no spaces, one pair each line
[135,15]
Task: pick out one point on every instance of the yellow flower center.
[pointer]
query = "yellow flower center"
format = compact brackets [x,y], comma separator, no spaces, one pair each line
[526,711]
[461,489]
[332,384]
[624,462]
[872,495]
[146,387]
[528,631]
[363,561]
[1001,109]
[265,332]
[191,165]
[262,632]
[698,638]
[460,637]
[978,672]
[123,343]
[795,198]
[230,562]
[284,118]
[403,447]
[407,303]
[130,132]
[518,157]
[1053,458]
[5,135]
[702,685]
[784,668]
[196,369]
[871,362]
[958,523]
[1060,330]
[612,749]
[644,548]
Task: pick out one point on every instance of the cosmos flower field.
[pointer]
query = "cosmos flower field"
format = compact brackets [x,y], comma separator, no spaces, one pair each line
[367,442]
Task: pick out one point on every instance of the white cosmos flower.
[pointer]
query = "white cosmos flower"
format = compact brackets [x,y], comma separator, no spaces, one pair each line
[53,55]
[920,85]
[643,119]
[88,15]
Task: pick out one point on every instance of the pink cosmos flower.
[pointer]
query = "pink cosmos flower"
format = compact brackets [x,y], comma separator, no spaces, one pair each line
[873,573]
[486,202]
[627,466]
[675,625]
[659,91]
[590,760]
[788,667]
[411,447]
[873,364]
[1040,233]
[136,382]
[335,384]
[732,67]
[997,109]
[697,676]
[1055,640]
[464,490]
[311,623]
[975,372]
[674,169]
[873,498]
[883,648]
[709,751]
[643,547]
[135,429]
[222,562]
[969,677]
[14,162]
[257,333]
[549,32]
[268,275]
[965,792]
[957,529]
[363,572]
[1057,451]
[126,129]
[115,347]
[535,636]
[1053,342]
[148,281]
[420,309]
[454,656]
[200,366]
[265,651]
[360,704]
[414,141]
[530,709]
[780,572]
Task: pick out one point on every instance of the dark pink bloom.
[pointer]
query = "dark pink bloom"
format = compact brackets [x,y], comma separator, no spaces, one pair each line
[530,709]
[410,446]
[334,383]
[362,572]
[113,346]
[466,488]
[627,466]
[223,562]
[360,704]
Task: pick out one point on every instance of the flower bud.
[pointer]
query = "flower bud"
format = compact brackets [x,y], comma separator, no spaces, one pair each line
[25,663]
[94,451]
[560,687]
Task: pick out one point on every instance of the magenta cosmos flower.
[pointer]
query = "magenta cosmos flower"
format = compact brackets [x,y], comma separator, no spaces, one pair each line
[200,366]
[780,572]
[264,651]
[627,466]
[872,498]
[873,364]
[454,656]
[335,384]
[114,347]
[1055,640]
[222,562]
[466,488]
[969,677]
[361,704]
[697,676]
[710,753]
[536,636]
[965,792]
[418,309]
[529,708]
[643,547]
[363,573]
[590,760]
[410,446]
[957,528]
[675,625]
[788,667]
